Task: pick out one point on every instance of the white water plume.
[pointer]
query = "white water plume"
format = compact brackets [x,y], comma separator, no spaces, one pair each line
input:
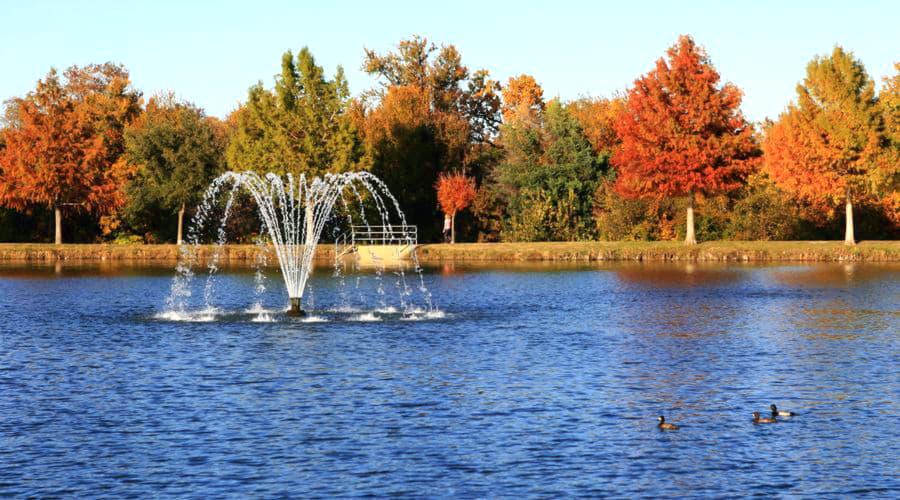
[294,210]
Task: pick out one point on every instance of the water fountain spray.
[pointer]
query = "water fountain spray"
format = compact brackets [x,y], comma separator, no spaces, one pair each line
[294,211]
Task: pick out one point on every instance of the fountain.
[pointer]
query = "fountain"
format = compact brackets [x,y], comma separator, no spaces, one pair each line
[294,211]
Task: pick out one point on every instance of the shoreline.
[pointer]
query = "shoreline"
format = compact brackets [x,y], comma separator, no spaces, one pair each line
[588,251]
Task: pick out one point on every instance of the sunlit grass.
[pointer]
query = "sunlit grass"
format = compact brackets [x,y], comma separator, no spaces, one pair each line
[582,250]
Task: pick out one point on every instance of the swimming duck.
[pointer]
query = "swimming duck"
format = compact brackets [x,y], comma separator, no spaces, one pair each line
[663,425]
[757,420]
[777,413]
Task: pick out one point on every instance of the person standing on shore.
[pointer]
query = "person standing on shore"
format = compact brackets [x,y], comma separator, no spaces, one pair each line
[447,227]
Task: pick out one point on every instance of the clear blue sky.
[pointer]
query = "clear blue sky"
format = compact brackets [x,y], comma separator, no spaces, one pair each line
[211,52]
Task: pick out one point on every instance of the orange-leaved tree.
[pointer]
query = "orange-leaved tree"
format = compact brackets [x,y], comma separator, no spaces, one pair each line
[522,97]
[410,142]
[829,147]
[455,192]
[66,150]
[889,100]
[598,117]
[683,133]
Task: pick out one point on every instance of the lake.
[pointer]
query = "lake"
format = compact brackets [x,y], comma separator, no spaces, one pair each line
[519,381]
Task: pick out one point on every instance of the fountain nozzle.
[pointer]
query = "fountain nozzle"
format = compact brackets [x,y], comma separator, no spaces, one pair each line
[295,309]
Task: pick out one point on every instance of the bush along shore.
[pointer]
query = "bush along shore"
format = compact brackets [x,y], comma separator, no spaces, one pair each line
[587,251]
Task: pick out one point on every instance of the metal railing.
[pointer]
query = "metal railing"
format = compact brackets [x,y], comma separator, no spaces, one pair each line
[376,235]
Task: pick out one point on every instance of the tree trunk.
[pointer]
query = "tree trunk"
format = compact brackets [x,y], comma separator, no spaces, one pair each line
[181,224]
[849,238]
[58,216]
[689,238]
[453,228]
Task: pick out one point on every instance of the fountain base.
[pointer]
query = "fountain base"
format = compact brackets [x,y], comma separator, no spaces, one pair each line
[295,309]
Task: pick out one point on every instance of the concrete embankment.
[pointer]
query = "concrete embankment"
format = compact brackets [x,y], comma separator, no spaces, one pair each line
[727,251]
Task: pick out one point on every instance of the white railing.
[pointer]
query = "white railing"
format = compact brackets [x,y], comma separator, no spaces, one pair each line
[405,235]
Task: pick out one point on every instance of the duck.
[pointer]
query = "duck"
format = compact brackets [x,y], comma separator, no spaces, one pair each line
[664,426]
[777,413]
[757,420]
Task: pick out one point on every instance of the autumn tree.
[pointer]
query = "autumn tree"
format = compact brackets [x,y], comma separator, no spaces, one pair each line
[455,193]
[523,99]
[889,100]
[428,114]
[598,117]
[682,132]
[411,143]
[301,126]
[66,149]
[829,146]
[439,73]
[178,151]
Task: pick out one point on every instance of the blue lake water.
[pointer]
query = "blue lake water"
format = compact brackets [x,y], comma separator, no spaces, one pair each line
[535,381]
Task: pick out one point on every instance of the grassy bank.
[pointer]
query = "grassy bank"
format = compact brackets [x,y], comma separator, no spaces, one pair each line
[38,252]
[735,251]
[741,251]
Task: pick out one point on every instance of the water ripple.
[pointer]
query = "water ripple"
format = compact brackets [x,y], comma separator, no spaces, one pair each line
[525,384]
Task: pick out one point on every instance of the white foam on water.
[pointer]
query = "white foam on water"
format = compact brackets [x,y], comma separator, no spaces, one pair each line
[258,309]
[386,310]
[204,315]
[369,316]
[346,309]
[263,318]
[419,316]
[314,319]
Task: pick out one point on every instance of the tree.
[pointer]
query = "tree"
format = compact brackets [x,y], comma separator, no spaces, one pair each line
[178,151]
[829,146]
[67,148]
[302,126]
[411,143]
[10,118]
[682,133]
[889,100]
[441,74]
[522,97]
[598,117]
[455,192]
[428,114]
[545,180]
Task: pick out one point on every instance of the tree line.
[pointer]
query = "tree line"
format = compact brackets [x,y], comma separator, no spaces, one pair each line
[672,157]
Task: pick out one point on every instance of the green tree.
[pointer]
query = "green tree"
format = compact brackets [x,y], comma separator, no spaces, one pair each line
[177,151]
[547,178]
[301,126]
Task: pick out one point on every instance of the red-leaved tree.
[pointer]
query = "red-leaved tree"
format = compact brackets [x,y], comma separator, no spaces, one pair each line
[683,133]
[66,150]
[454,193]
